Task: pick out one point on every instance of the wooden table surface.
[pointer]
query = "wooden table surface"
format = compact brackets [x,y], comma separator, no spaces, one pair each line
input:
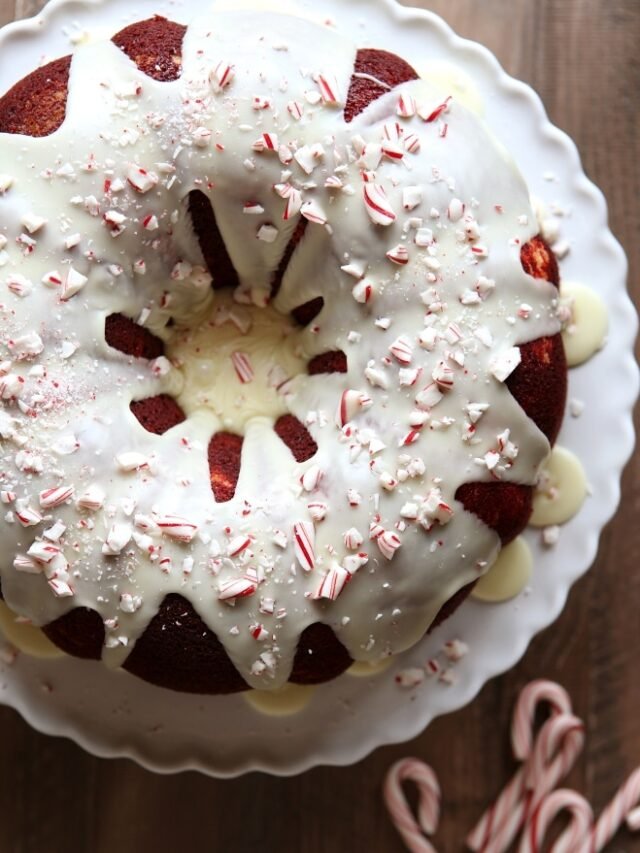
[582,57]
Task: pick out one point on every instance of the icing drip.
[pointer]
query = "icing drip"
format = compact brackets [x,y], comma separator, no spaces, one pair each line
[25,637]
[586,322]
[362,76]
[284,702]
[508,576]
[561,489]
[416,256]
[365,669]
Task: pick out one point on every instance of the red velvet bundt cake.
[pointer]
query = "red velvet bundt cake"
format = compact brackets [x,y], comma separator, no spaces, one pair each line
[279,357]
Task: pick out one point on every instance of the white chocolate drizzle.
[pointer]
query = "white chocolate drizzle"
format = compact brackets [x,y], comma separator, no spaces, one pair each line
[561,489]
[282,702]
[366,669]
[585,322]
[26,637]
[430,332]
[508,576]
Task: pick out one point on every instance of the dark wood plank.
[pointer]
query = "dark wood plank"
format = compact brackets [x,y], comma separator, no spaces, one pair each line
[581,55]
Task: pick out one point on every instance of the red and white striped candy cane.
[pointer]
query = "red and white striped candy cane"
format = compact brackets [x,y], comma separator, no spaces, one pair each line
[411,769]
[554,753]
[506,814]
[508,810]
[623,807]
[575,836]
[534,694]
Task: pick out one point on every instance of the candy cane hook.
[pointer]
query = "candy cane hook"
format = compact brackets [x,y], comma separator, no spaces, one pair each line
[411,769]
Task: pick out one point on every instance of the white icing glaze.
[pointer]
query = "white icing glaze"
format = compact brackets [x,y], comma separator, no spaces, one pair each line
[25,637]
[452,81]
[508,576]
[367,669]
[71,430]
[211,383]
[283,702]
[586,323]
[561,489]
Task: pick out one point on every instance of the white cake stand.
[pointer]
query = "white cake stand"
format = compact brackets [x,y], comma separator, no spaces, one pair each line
[112,714]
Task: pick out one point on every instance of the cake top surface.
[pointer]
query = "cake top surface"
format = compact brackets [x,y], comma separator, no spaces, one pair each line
[415,219]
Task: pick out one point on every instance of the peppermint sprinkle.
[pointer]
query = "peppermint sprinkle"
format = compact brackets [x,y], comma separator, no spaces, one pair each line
[131,461]
[242,367]
[91,499]
[60,588]
[266,142]
[295,109]
[328,85]
[406,107]
[317,510]
[267,233]
[429,114]
[72,283]
[141,180]
[304,538]
[388,542]
[332,583]
[22,563]
[352,539]
[32,222]
[252,208]
[26,346]
[505,363]
[176,527]
[402,350]
[410,677]
[351,402]
[398,255]
[28,517]
[237,545]
[55,497]
[412,143]
[411,197]
[377,204]
[118,537]
[312,211]
[221,76]
[19,285]
[237,588]
[310,480]
[363,291]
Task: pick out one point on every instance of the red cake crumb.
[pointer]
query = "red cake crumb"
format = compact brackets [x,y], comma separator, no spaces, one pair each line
[297,437]
[128,337]
[158,414]
[225,449]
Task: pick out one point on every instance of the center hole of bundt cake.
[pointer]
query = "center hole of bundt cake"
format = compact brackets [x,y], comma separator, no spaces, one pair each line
[238,362]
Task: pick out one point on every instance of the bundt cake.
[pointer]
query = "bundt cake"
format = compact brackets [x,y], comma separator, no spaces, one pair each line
[279,356]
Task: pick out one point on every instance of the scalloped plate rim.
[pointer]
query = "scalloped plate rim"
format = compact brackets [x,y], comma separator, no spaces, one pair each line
[35,27]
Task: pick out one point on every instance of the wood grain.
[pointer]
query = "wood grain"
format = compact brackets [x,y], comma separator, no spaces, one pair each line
[582,57]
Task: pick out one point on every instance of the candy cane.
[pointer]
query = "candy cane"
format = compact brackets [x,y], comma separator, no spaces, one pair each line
[411,769]
[531,697]
[529,800]
[554,753]
[573,838]
[507,810]
[621,808]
